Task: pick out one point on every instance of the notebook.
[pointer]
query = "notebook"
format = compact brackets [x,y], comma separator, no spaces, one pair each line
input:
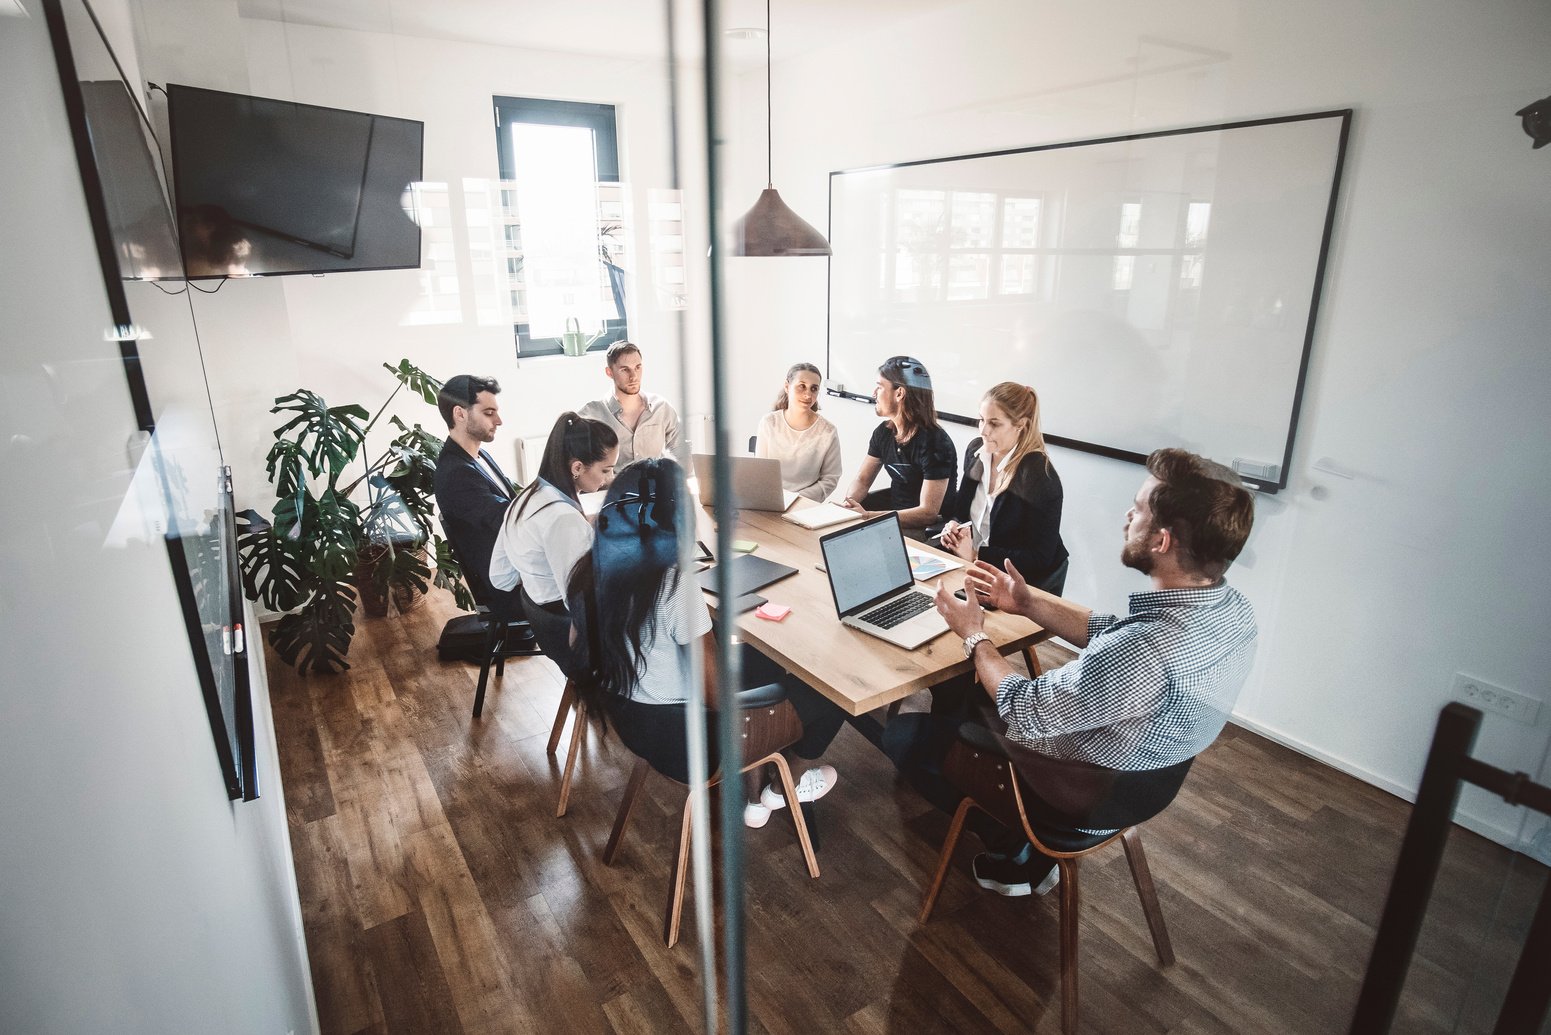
[821,516]
[874,590]
[756,482]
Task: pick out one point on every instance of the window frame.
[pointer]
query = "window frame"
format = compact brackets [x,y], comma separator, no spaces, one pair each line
[602,120]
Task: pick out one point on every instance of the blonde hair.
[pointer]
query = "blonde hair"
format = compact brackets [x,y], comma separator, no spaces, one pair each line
[1019,402]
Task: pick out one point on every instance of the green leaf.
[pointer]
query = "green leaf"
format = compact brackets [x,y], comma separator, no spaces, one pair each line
[328,437]
[285,467]
[317,637]
[271,569]
[332,536]
[449,574]
[402,567]
[415,379]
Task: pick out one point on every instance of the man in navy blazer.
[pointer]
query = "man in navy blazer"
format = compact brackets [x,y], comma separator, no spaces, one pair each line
[471,490]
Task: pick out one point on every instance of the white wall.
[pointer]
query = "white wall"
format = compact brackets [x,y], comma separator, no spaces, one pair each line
[1430,379]
[137,897]
[266,337]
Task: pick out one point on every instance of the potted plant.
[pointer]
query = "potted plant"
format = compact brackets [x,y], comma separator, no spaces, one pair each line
[327,544]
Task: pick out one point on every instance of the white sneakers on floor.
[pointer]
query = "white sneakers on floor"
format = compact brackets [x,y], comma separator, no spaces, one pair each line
[815,783]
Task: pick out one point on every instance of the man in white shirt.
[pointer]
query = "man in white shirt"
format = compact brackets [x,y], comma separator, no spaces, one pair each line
[646,424]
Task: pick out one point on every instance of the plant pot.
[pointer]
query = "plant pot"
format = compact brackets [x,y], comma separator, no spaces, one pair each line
[374,603]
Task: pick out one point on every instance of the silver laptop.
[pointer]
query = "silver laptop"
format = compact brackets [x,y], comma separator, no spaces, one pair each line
[869,574]
[756,482]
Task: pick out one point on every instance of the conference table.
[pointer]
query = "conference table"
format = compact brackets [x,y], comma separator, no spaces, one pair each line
[857,671]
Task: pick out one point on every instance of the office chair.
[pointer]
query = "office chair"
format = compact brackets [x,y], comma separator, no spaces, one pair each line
[1050,801]
[1450,764]
[770,723]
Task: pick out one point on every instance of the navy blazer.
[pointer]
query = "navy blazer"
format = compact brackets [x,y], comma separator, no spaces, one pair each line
[1025,516]
[472,505]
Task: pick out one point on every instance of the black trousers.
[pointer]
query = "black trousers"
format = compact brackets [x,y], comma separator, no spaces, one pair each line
[655,732]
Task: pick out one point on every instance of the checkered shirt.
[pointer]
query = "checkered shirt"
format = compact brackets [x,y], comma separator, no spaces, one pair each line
[1149,690]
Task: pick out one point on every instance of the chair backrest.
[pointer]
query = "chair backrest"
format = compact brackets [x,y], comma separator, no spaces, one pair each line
[1449,764]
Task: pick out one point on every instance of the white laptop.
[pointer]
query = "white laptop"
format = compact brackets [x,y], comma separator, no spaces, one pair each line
[869,574]
[756,482]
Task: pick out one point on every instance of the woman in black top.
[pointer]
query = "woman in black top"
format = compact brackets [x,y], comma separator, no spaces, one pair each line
[910,445]
[1009,505]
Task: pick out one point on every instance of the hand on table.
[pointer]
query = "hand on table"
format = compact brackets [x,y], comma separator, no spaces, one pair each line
[964,616]
[850,504]
[1004,590]
[959,540]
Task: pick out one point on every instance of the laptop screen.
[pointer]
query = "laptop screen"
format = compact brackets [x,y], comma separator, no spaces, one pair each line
[866,562]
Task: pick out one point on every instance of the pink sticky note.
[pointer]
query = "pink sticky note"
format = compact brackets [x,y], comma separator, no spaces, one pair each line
[772,612]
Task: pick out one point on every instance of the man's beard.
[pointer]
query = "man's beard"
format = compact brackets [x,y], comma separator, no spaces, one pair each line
[1134,554]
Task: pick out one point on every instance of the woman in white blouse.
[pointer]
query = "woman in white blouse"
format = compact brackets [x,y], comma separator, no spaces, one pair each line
[795,434]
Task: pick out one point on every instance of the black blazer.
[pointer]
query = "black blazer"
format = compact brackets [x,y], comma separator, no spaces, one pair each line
[471,506]
[1025,516]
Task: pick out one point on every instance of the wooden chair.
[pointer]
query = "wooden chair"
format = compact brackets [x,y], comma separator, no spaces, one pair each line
[1527,1002]
[570,704]
[1072,796]
[770,723]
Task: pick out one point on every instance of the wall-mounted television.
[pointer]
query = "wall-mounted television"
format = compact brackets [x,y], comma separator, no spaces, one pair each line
[267,187]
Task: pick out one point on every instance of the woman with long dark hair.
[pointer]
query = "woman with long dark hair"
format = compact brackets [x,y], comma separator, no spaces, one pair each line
[544,533]
[806,444]
[640,621]
[911,446]
[1009,504]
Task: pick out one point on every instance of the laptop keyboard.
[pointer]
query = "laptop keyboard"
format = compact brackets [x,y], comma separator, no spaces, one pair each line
[897,611]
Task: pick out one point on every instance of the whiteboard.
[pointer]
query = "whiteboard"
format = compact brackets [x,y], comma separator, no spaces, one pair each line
[1156,290]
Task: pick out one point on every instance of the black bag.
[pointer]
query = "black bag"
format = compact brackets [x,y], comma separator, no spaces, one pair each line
[463,639]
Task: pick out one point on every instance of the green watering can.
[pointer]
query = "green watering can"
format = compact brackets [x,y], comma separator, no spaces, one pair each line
[572,341]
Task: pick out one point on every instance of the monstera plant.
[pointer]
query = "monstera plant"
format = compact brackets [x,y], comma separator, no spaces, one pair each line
[346,523]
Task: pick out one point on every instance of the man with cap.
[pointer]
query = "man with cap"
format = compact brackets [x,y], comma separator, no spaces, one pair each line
[917,453]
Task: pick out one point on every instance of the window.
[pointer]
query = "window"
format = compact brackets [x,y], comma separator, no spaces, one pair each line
[563,220]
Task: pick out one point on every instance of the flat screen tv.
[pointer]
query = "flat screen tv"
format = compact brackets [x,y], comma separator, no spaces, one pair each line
[266,187]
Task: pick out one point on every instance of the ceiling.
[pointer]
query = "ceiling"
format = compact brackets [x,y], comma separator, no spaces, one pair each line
[623,28]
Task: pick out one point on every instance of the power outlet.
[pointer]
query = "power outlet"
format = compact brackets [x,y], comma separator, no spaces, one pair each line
[1478,693]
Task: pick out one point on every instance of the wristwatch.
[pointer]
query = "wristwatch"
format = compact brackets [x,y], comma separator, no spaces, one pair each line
[972,641]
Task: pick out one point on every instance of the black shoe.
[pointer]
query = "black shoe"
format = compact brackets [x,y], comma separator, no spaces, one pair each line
[1015,880]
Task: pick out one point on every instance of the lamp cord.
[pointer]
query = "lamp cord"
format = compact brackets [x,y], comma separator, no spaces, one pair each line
[769,146]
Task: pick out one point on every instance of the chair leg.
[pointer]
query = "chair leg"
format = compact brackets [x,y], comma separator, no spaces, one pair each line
[1148,893]
[670,930]
[893,711]
[949,844]
[492,642]
[789,789]
[567,698]
[1032,661]
[632,789]
[578,729]
[1070,901]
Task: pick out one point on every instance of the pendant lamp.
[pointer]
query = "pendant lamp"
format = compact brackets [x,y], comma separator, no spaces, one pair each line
[770,227]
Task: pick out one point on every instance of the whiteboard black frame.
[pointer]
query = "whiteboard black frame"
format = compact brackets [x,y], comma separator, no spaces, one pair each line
[1264,485]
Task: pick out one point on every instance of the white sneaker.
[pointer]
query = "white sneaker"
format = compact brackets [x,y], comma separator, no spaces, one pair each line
[815,783]
[755,815]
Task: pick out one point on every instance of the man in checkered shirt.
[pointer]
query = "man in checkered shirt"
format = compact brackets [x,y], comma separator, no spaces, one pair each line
[1147,690]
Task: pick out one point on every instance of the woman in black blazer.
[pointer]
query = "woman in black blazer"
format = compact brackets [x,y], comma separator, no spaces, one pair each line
[1008,507]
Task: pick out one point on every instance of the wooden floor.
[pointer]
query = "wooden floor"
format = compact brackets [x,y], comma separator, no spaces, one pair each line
[441,895]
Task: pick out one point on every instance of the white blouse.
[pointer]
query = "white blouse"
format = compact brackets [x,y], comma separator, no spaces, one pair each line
[810,459]
[541,547]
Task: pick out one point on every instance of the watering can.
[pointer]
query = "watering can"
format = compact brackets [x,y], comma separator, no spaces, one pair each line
[572,341]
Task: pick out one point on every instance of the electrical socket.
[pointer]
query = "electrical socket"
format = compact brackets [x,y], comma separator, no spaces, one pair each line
[1478,693]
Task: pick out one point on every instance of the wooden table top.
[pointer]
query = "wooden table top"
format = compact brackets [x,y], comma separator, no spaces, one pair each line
[857,671]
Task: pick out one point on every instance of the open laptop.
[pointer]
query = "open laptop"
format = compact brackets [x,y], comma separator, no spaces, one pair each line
[756,482]
[869,575]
